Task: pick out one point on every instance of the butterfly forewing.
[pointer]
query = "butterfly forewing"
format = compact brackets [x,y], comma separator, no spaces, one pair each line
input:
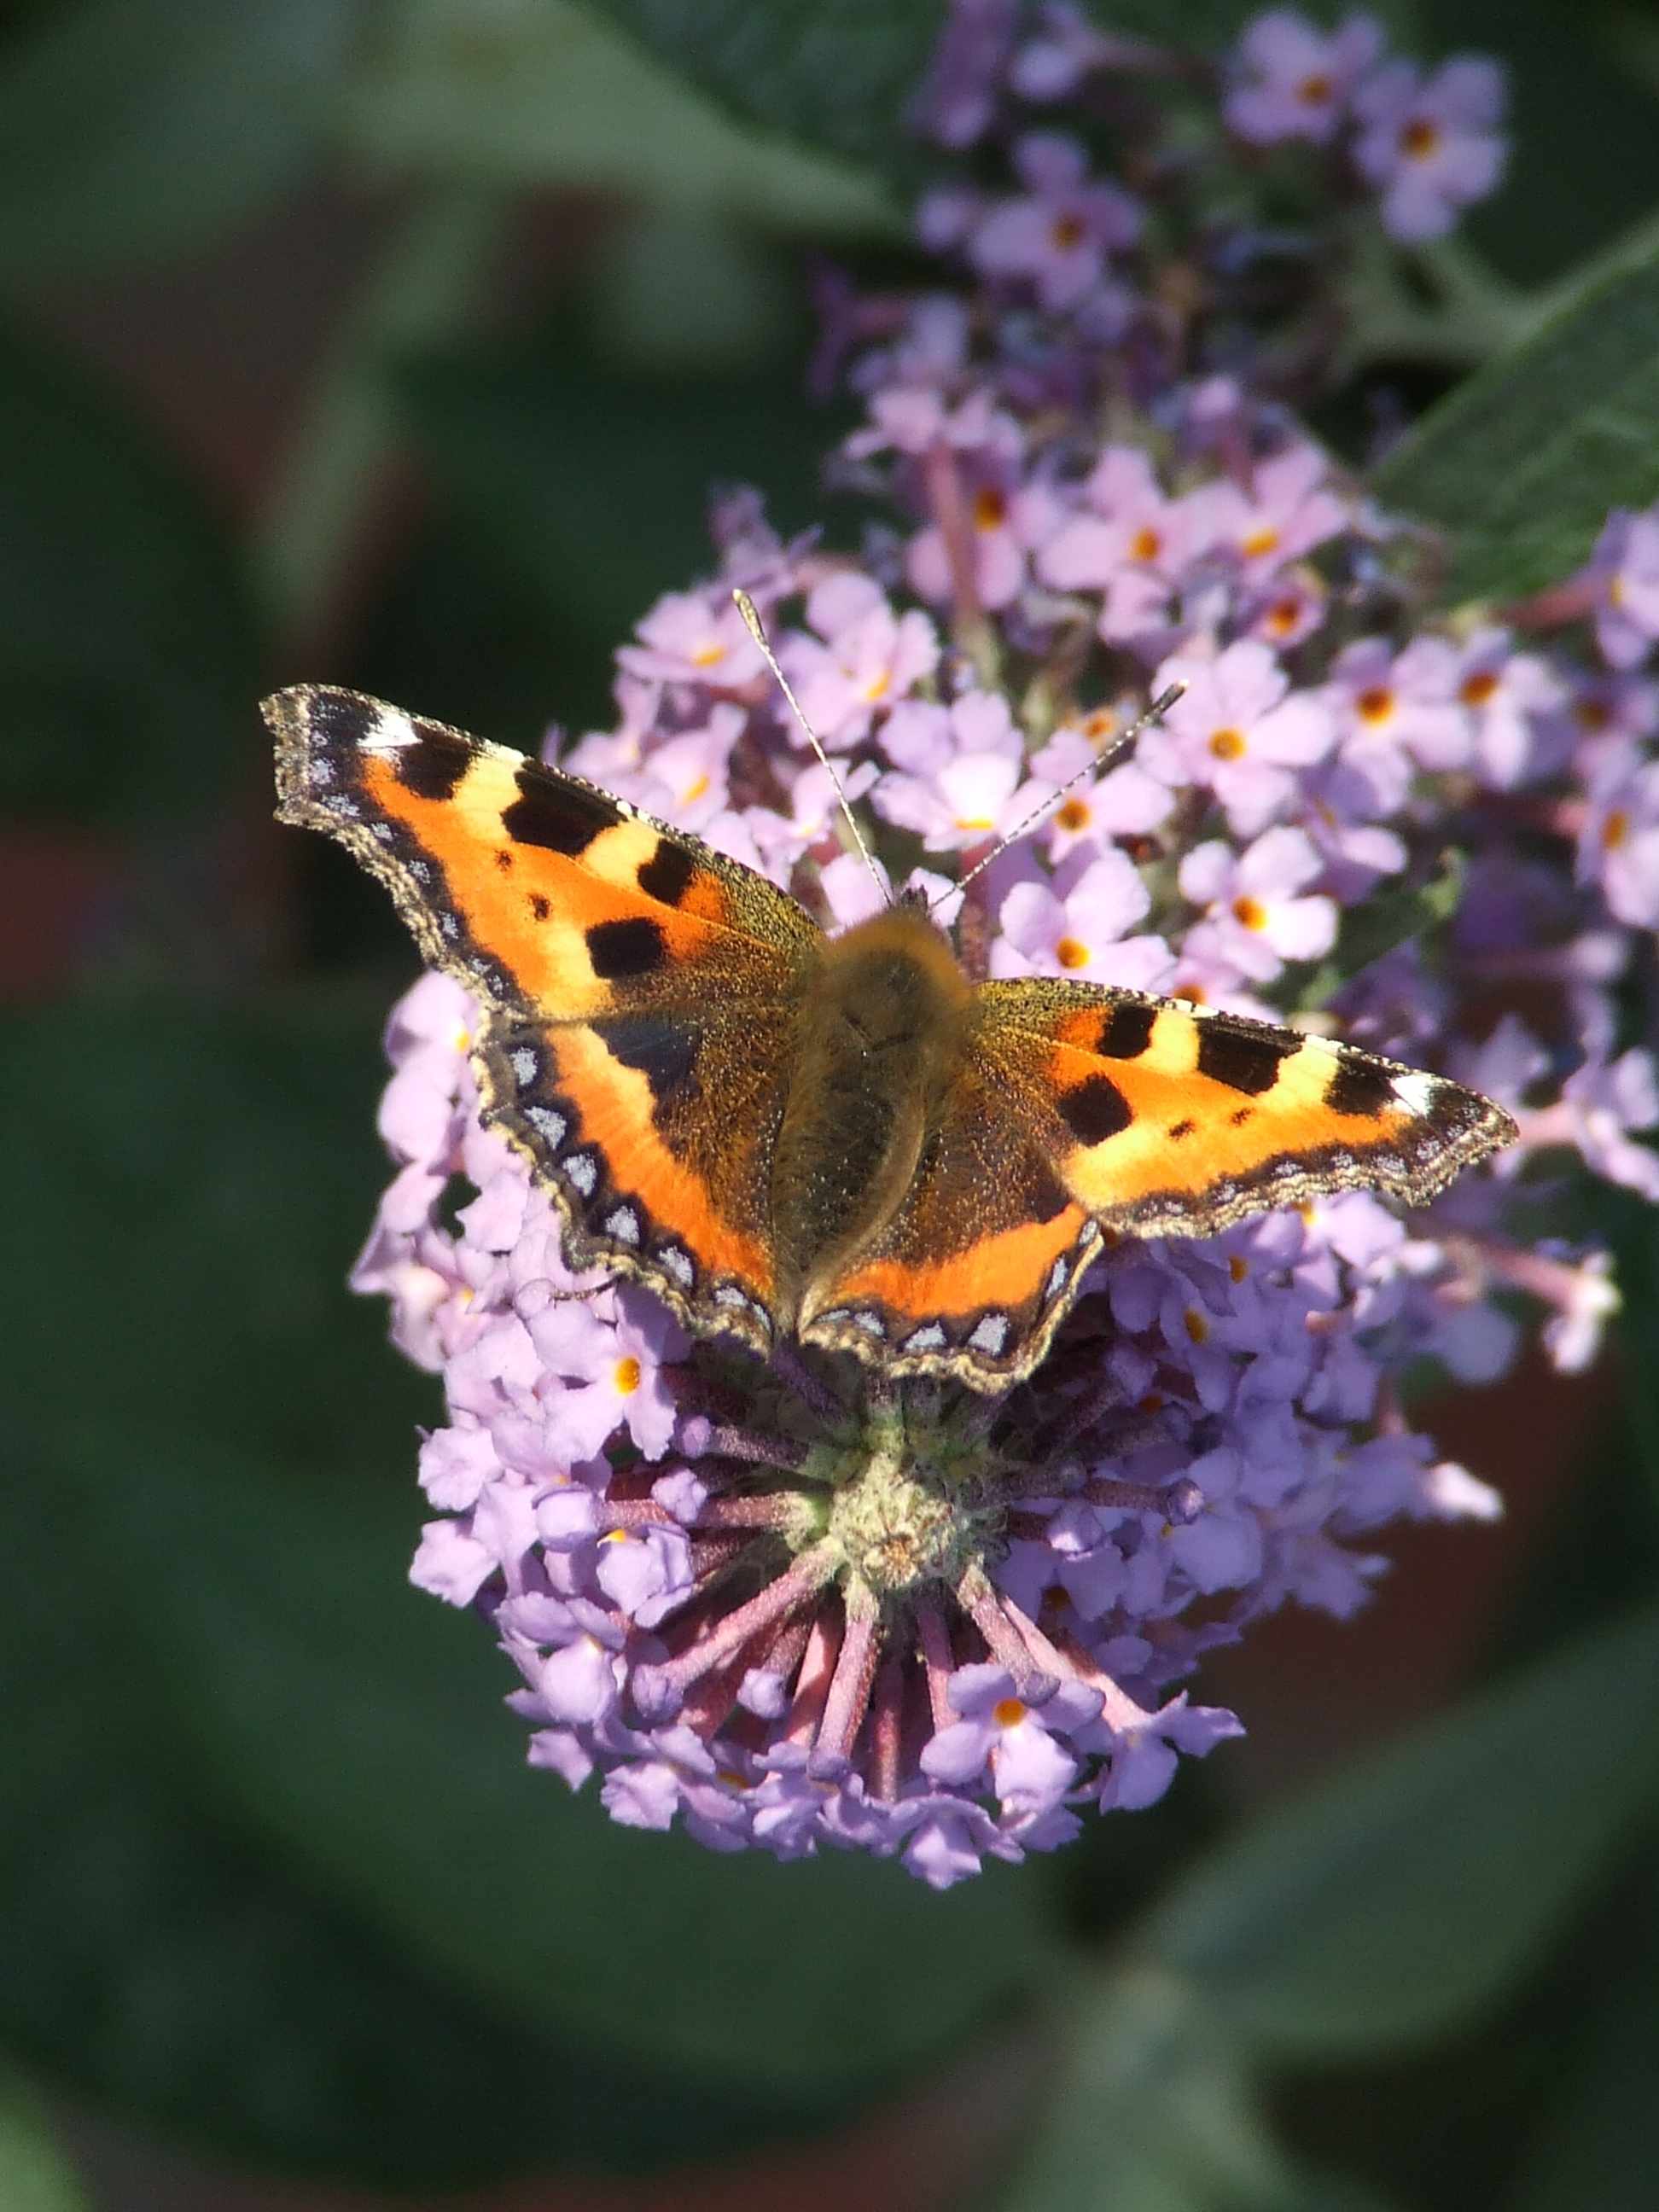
[638,985]
[1164,1120]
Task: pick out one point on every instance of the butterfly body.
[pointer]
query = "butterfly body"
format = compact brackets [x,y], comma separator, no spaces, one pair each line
[841,1140]
[880,1033]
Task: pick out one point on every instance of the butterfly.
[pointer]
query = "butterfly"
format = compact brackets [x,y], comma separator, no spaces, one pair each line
[838,1140]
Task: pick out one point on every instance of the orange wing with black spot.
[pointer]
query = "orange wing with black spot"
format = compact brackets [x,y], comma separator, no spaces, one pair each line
[1079,1110]
[1164,1120]
[640,989]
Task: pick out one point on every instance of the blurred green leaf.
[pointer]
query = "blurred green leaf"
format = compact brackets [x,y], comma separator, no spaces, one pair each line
[132,130]
[548,93]
[596,485]
[179,1227]
[1398,1898]
[35,2174]
[1150,2109]
[839,73]
[1583,153]
[159,1962]
[1520,465]
[127,665]
[1599,2144]
[355,1721]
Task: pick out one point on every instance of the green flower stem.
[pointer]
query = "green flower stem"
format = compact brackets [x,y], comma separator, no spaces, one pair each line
[1474,314]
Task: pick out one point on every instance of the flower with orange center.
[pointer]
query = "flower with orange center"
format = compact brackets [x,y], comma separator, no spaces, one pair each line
[1476,689]
[1373,705]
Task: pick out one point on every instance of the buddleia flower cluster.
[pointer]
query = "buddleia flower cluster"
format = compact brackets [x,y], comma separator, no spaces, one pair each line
[790,1605]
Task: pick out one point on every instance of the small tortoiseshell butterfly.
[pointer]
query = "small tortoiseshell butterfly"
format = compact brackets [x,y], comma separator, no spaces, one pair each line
[839,1139]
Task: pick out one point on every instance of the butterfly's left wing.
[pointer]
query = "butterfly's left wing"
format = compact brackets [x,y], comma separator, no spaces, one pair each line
[1081,1109]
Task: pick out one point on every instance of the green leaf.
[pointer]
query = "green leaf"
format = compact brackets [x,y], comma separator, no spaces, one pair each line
[126,659]
[838,73]
[550,95]
[35,2174]
[179,1227]
[1149,2109]
[132,129]
[1405,1893]
[1599,2143]
[361,1725]
[1386,919]
[596,485]
[159,1960]
[1520,465]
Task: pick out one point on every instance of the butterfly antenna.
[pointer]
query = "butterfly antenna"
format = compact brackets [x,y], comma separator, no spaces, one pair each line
[1159,707]
[746,607]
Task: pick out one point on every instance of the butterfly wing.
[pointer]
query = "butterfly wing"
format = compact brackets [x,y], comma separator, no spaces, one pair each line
[1081,1109]
[1166,1119]
[640,989]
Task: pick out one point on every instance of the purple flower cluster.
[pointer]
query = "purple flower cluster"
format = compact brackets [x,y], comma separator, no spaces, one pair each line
[790,1606]
[1424,145]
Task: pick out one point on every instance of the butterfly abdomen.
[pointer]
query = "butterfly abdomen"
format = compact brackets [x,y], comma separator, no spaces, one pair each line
[878,1036]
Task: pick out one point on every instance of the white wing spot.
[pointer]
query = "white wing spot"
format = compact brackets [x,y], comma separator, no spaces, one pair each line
[547,1123]
[623,1224]
[674,1262]
[390,732]
[930,1338]
[583,1171]
[1057,1275]
[526,1066]
[990,1334]
[1415,1091]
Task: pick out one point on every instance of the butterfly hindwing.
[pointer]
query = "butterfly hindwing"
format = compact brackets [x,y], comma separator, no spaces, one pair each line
[980,1263]
[1078,1110]
[637,985]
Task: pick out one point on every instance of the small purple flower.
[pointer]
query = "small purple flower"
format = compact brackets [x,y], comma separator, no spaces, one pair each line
[1241,731]
[1065,50]
[1083,933]
[693,637]
[863,659]
[971,800]
[1293,80]
[1431,145]
[1618,841]
[1625,569]
[1255,916]
[1057,237]
[1128,541]
[1289,509]
[958,97]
